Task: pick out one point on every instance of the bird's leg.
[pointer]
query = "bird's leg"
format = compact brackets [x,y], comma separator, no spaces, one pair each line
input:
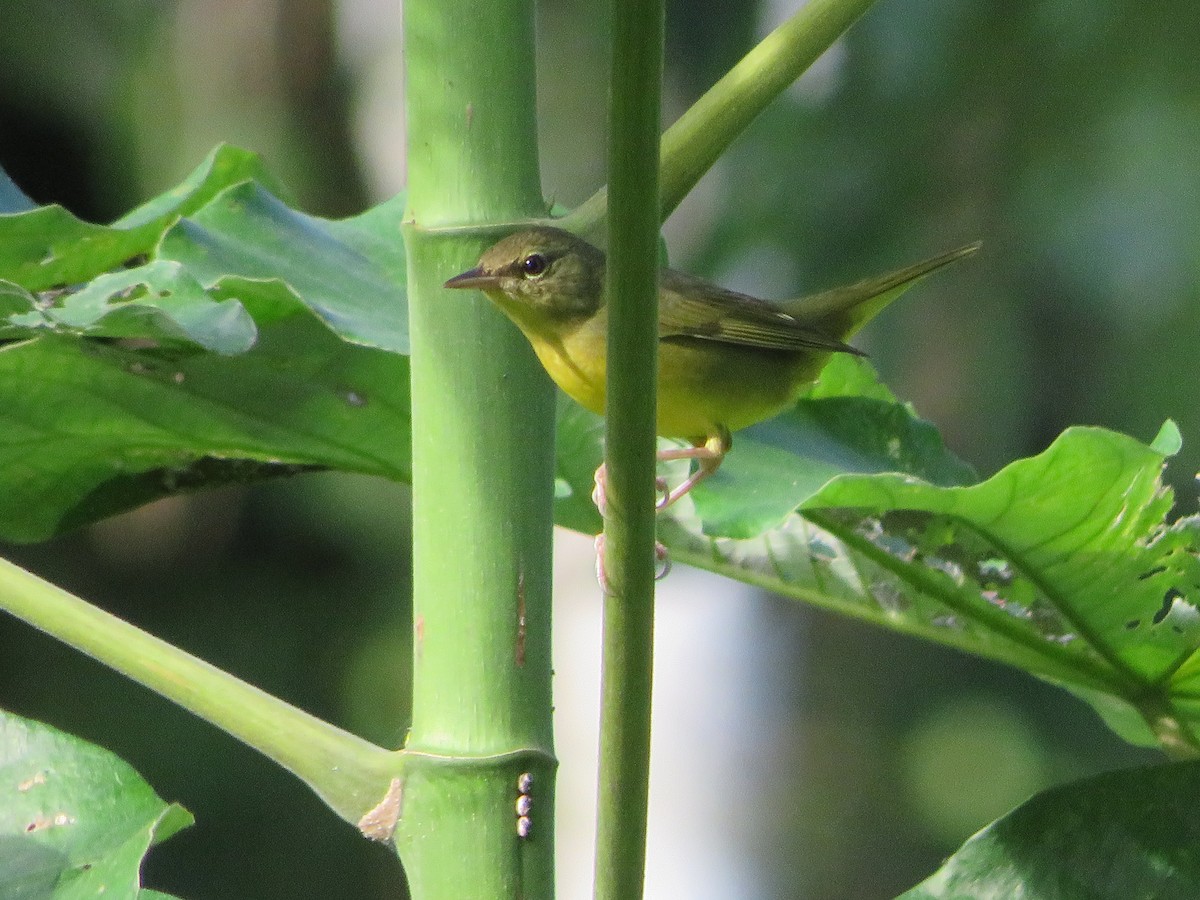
[709,455]
[600,498]
[660,554]
[600,491]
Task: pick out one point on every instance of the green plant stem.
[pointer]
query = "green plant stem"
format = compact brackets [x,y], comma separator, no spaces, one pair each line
[629,528]
[348,773]
[483,469]
[697,139]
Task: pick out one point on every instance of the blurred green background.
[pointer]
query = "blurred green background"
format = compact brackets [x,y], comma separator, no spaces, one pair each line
[1065,135]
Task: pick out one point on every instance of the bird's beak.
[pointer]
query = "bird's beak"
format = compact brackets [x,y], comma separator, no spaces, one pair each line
[473,278]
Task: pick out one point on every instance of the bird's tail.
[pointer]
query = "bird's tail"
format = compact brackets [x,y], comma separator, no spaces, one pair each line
[843,311]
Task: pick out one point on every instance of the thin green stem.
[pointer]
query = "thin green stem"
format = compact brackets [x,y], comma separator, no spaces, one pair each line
[632,300]
[348,773]
[693,144]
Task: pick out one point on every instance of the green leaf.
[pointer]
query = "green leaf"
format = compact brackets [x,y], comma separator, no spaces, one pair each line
[160,303]
[779,464]
[224,167]
[107,399]
[1119,835]
[247,235]
[578,450]
[1062,564]
[75,821]
[48,247]
[88,429]
[850,376]
[1084,520]
[1168,441]
[14,301]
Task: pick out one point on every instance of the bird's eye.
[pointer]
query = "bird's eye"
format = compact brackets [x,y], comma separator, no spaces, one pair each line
[533,265]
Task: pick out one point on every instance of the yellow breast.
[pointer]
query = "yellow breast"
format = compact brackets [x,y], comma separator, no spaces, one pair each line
[577,366]
[701,384]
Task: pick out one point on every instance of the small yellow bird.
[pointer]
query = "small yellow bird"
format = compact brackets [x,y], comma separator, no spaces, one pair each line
[725,360]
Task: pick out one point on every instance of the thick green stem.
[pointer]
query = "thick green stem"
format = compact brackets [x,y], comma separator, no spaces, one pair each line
[348,773]
[483,467]
[632,298]
[705,131]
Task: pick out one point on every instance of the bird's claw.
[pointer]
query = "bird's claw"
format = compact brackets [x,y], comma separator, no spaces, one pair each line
[661,487]
[660,554]
[600,491]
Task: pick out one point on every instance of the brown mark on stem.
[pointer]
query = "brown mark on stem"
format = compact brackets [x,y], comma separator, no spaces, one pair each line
[379,822]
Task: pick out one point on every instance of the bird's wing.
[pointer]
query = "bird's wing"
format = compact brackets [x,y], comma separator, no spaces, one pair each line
[692,307]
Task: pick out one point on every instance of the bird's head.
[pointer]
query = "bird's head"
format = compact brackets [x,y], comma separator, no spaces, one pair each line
[540,277]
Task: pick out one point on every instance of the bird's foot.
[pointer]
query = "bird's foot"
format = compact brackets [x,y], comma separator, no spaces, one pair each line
[709,455]
[660,555]
[600,491]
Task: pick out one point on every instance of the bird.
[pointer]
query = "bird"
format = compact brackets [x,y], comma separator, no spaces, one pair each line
[726,360]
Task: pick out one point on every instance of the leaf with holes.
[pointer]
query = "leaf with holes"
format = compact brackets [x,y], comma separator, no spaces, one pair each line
[1063,564]
[350,274]
[243,341]
[157,304]
[75,820]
